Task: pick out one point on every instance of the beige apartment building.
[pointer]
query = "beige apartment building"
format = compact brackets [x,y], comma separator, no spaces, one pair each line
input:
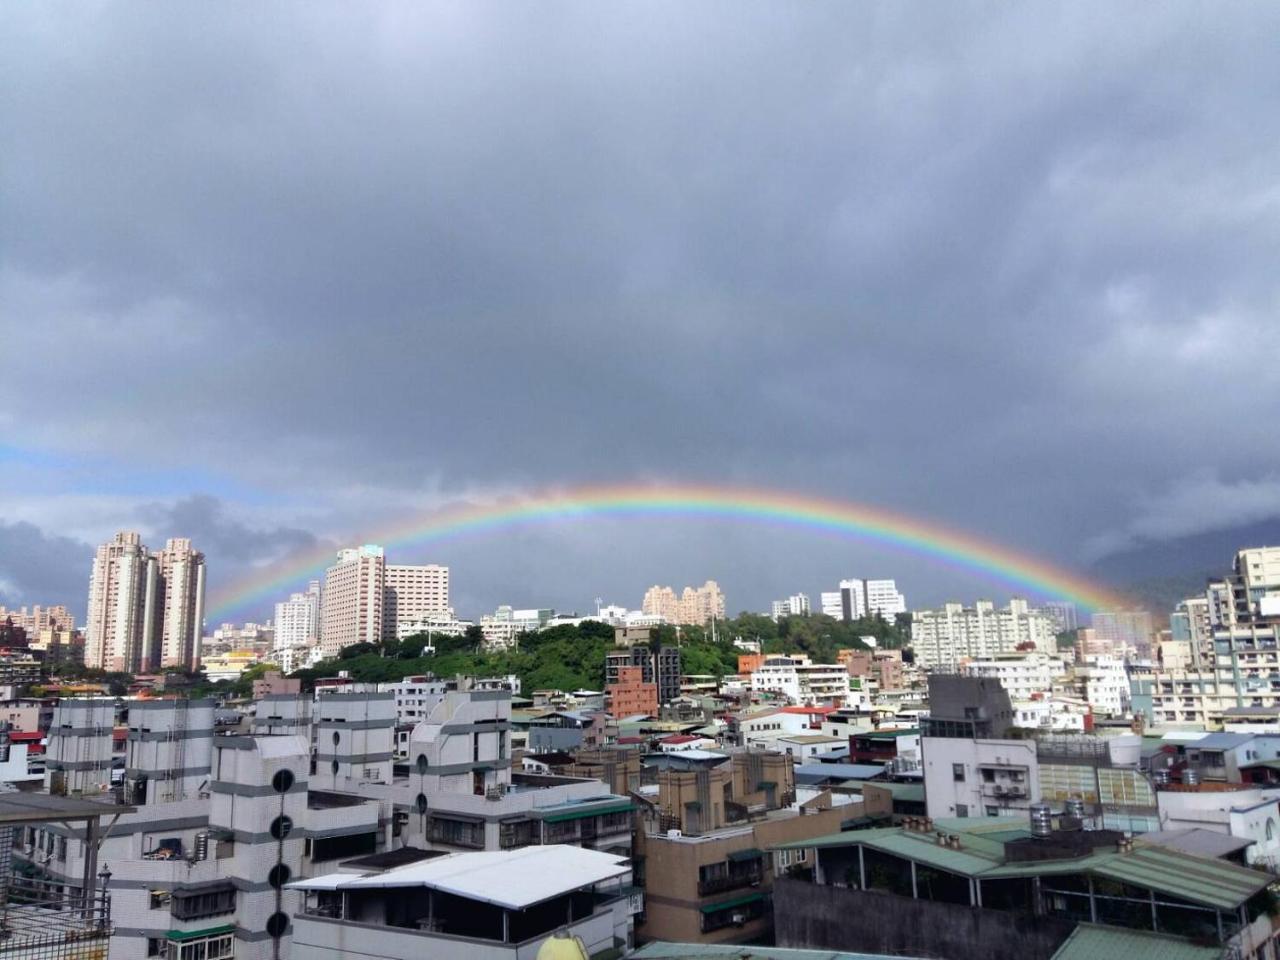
[146,610]
[179,606]
[351,603]
[695,606]
[121,588]
[703,853]
[413,593]
[40,618]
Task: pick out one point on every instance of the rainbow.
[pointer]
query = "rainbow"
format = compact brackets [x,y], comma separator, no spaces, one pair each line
[951,546]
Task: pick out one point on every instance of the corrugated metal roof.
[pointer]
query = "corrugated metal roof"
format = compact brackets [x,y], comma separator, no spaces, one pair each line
[1214,883]
[1202,880]
[1221,741]
[1092,942]
[1202,843]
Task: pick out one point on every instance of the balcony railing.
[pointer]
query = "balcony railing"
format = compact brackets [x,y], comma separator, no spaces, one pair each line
[733,881]
[41,918]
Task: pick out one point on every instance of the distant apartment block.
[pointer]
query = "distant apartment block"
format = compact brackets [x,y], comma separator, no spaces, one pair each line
[1063,614]
[412,593]
[695,606]
[351,603]
[297,620]
[145,610]
[944,638]
[801,682]
[855,599]
[797,605]
[40,618]
[1124,630]
[631,695]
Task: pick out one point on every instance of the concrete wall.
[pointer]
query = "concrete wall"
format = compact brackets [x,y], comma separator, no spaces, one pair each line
[836,918]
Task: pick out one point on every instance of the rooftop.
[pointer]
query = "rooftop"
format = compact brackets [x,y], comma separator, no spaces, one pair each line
[512,879]
[42,807]
[1094,942]
[982,855]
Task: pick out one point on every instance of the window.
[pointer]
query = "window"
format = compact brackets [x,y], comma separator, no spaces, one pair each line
[207,903]
[218,947]
[962,809]
[158,899]
[988,776]
[957,772]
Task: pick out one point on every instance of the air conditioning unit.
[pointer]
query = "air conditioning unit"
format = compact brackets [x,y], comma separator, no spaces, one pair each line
[739,918]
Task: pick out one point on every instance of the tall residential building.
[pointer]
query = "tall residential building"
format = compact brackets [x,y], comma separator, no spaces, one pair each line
[178,607]
[695,606]
[1252,592]
[352,599]
[661,602]
[864,598]
[1124,629]
[944,638]
[121,602]
[411,594]
[38,619]
[297,621]
[1063,614]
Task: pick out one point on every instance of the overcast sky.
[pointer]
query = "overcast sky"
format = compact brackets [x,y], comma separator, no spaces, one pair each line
[278,274]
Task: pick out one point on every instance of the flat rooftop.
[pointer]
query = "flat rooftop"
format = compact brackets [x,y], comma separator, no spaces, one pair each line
[512,879]
[42,807]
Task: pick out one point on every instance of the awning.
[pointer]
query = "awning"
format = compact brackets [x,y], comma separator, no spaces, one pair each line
[593,812]
[181,935]
[728,904]
[751,853]
[328,881]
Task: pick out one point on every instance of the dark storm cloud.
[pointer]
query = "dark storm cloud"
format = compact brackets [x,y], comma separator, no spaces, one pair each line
[994,266]
[204,520]
[36,568]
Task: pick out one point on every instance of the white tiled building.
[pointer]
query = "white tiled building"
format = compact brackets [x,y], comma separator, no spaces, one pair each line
[943,638]
[802,682]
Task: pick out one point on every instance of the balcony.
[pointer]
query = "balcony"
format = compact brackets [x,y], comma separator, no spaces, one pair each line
[733,881]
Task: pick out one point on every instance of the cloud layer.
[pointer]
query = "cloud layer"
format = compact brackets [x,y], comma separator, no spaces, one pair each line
[293,271]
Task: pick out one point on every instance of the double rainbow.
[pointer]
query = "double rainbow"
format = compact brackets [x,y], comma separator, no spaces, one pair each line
[953,547]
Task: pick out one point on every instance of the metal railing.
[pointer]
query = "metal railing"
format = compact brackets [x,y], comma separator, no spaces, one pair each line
[44,920]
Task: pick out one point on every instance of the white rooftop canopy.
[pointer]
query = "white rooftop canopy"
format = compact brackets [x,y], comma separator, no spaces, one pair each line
[514,879]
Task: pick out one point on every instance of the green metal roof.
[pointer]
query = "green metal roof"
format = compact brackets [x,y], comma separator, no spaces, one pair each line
[735,902]
[206,932]
[1209,882]
[624,807]
[1092,942]
[1214,883]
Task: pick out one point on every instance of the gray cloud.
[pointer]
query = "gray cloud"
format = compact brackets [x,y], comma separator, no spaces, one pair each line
[39,568]
[1001,268]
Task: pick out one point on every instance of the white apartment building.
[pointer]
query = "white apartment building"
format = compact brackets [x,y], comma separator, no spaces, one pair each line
[797,605]
[412,592]
[802,682]
[1104,684]
[121,600]
[297,622]
[864,598]
[943,638]
[965,777]
[179,605]
[1023,675]
[145,610]
[433,624]
[351,602]
[415,697]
